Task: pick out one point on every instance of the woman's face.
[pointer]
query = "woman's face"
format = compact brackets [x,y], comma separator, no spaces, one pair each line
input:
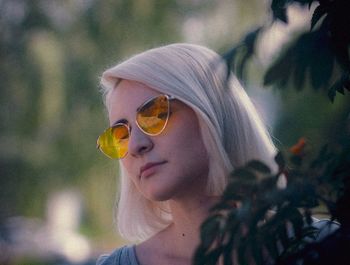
[171,165]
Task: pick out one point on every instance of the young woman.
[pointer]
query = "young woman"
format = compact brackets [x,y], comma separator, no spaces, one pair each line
[178,126]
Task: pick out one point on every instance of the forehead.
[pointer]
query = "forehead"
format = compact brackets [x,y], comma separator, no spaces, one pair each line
[126,97]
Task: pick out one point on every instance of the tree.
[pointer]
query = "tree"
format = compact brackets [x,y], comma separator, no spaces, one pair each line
[250,233]
[52,53]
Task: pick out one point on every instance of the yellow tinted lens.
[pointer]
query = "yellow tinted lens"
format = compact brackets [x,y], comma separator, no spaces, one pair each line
[114,141]
[153,115]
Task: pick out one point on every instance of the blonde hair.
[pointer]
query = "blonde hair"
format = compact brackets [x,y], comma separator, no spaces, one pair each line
[230,127]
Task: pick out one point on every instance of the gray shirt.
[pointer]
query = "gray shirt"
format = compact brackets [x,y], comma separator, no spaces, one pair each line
[122,256]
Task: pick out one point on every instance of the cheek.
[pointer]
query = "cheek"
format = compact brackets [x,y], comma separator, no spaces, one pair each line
[189,148]
[191,165]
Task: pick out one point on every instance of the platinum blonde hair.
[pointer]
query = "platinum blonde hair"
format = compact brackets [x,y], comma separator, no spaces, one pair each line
[230,127]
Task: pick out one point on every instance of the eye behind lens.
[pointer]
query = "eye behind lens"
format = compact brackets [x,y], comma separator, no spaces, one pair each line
[152,117]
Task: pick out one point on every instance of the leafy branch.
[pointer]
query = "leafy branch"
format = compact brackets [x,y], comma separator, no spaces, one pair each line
[257,222]
[320,55]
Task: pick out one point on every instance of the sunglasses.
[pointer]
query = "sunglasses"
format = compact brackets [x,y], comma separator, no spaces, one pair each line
[151,117]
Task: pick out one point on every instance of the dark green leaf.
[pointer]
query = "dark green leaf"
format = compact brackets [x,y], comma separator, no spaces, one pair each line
[259,166]
[319,12]
[282,233]
[310,3]
[321,59]
[308,216]
[340,89]
[302,2]
[228,260]
[281,14]
[333,90]
[347,82]
[280,161]
[229,58]
[228,203]
[271,246]
[296,218]
[240,190]
[247,45]
[300,73]
[244,174]
[310,232]
[230,195]
[241,66]
[257,252]
[296,160]
[344,82]
[210,230]
[228,254]
[233,222]
[250,39]
[279,72]
[279,9]
[241,252]
[342,53]
[267,184]
[213,256]
[199,256]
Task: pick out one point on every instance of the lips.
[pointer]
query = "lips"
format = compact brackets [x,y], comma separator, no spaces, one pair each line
[147,167]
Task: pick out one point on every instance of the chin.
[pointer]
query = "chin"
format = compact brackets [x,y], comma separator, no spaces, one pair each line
[159,195]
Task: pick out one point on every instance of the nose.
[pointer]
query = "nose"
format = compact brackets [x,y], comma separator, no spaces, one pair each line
[139,142]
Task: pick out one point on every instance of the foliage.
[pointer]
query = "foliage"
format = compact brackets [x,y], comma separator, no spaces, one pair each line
[320,55]
[257,222]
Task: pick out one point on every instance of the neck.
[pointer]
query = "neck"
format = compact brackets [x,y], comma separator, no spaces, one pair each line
[188,216]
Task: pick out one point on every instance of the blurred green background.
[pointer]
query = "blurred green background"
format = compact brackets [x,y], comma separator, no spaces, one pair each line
[52,54]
